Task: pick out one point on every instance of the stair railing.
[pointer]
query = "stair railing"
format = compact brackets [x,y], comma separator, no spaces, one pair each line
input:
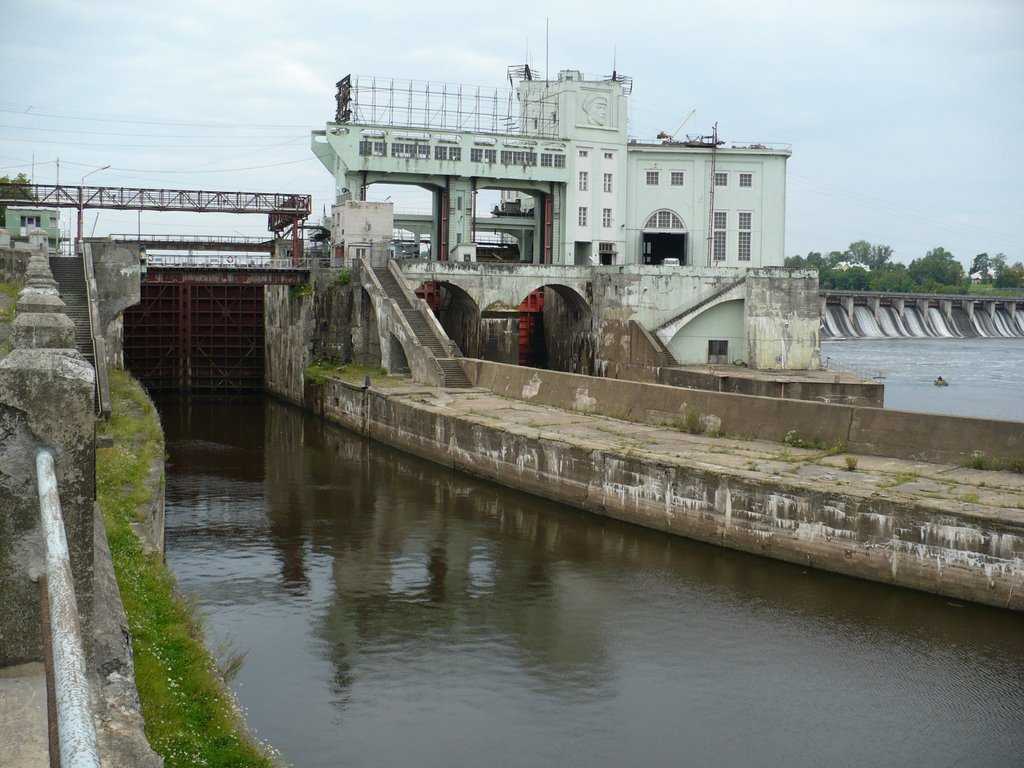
[99,344]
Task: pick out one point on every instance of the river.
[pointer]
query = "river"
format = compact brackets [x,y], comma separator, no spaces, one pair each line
[986,376]
[396,613]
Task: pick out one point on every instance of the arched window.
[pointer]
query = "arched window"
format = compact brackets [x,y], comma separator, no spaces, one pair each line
[664,219]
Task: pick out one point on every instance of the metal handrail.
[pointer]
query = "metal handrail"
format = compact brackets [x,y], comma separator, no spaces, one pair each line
[76,734]
[99,341]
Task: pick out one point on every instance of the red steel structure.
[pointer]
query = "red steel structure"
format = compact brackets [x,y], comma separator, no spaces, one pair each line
[283,210]
[195,336]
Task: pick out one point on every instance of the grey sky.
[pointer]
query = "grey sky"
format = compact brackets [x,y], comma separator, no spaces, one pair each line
[905,118]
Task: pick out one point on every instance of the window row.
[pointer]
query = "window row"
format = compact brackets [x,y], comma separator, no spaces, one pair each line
[678,178]
[583,217]
[722,179]
[721,223]
[370,148]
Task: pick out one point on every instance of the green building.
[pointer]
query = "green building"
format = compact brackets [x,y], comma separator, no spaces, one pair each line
[19,222]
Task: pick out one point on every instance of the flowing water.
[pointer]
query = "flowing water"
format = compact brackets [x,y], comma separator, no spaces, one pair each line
[396,613]
[986,376]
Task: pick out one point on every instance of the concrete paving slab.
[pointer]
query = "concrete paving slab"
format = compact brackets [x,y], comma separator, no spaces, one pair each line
[996,495]
[23,719]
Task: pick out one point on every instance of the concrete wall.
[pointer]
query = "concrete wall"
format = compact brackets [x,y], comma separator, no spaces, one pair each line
[723,322]
[782,318]
[925,437]
[871,395]
[13,262]
[46,401]
[959,555]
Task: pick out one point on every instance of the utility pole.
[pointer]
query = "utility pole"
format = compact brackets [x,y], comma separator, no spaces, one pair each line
[711,196]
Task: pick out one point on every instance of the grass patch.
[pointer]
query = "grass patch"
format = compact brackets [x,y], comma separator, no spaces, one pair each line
[344,277]
[320,371]
[9,292]
[299,291]
[190,718]
[851,463]
[979,460]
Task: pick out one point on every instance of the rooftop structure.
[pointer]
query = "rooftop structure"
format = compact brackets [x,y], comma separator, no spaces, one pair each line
[599,197]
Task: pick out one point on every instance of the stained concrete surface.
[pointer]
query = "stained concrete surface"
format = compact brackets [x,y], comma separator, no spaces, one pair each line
[23,720]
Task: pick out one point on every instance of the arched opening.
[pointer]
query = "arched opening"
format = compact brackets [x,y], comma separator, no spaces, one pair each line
[398,363]
[366,336]
[556,330]
[714,337]
[458,314]
[664,238]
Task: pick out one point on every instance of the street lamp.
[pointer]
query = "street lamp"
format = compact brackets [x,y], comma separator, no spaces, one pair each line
[81,198]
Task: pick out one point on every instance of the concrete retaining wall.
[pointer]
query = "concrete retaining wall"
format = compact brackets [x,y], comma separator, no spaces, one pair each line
[959,555]
[821,391]
[881,432]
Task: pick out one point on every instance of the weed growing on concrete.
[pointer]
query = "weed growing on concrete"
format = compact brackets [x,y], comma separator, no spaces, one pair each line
[692,422]
[300,291]
[970,498]
[190,718]
[344,278]
[979,460]
[851,463]
[319,371]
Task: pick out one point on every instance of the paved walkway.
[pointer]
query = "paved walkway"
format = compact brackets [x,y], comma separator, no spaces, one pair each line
[984,494]
[23,731]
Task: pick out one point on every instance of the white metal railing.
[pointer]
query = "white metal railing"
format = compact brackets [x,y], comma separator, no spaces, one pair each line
[76,734]
[230,262]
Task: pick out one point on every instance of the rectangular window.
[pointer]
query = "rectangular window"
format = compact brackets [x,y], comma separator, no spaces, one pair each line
[609,156]
[584,181]
[476,155]
[545,160]
[721,179]
[454,153]
[490,155]
[607,182]
[380,148]
[583,153]
[559,161]
[652,178]
[440,153]
[365,147]
[606,253]
[746,179]
[606,217]
[718,351]
[506,157]
[718,246]
[583,216]
[743,252]
[423,151]
[399,149]
[677,178]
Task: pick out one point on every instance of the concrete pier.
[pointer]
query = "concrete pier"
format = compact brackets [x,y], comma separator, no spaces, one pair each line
[934,527]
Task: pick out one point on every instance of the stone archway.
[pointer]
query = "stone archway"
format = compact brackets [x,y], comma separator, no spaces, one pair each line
[557,329]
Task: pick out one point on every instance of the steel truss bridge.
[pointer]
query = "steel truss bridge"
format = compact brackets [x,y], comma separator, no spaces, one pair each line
[282,210]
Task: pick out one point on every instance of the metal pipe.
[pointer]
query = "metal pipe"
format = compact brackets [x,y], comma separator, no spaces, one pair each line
[75,730]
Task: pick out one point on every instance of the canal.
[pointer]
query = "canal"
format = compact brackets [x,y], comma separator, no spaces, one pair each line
[392,612]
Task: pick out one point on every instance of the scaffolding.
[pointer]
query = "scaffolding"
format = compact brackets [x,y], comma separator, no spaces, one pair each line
[374,101]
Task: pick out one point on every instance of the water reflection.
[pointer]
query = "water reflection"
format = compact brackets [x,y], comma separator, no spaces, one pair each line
[395,612]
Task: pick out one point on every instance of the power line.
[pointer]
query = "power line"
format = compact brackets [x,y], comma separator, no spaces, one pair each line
[136,134]
[32,113]
[145,146]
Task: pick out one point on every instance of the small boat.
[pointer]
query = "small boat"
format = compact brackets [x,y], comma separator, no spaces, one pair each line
[941,382]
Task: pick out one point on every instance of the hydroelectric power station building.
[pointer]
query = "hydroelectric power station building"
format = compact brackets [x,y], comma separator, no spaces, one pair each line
[682,238]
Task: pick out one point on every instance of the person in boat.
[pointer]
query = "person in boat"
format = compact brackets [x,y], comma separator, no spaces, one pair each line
[941,382]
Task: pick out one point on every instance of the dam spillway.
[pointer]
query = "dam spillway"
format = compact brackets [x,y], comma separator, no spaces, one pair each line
[875,316]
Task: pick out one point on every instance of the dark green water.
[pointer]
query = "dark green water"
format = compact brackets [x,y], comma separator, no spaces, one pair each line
[394,613]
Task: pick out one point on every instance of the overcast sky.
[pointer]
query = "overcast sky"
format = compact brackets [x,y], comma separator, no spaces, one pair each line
[906,118]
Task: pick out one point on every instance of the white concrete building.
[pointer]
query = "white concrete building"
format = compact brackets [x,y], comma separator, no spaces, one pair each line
[599,197]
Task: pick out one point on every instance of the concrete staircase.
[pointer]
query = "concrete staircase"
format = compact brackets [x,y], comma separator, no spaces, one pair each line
[70,276]
[451,370]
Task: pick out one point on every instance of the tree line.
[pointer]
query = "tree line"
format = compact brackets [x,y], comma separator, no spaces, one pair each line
[870,267]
